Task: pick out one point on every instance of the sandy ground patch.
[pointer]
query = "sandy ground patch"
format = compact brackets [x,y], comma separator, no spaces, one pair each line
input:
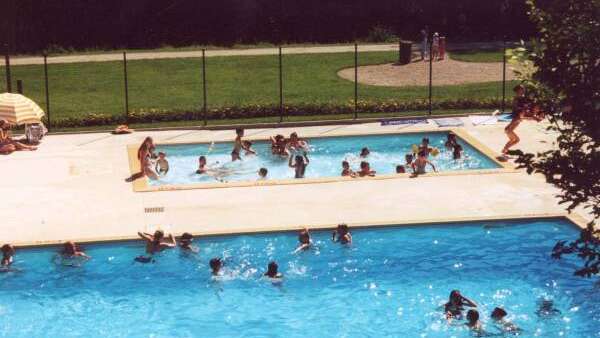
[445,72]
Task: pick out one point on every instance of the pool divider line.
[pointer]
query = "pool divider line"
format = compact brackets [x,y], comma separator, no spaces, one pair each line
[142,185]
[577,220]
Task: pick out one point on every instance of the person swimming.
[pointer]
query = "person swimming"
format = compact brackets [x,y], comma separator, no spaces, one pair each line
[262,174]
[156,243]
[162,165]
[304,240]
[299,165]
[346,171]
[457,150]
[8,253]
[272,272]
[201,165]
[408,158]
[546,309]
[216,264]
[342,234]
[424,147]
[72,250]
[294,143]
[455,305]
[185,243]
[365,169]
[278,145]
[450,141]
[364,153]
[400,169]
[235,155]
[247,145]
[498,315]
[473,322]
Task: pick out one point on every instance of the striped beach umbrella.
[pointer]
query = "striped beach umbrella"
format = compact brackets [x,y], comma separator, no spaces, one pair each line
[18,109]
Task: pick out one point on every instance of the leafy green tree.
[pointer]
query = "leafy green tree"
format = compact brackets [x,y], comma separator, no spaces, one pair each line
[562,75]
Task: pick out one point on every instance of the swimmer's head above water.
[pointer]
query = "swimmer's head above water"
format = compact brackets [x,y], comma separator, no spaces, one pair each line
[215,265]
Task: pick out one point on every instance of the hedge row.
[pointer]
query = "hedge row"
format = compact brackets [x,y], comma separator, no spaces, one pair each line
[254,111]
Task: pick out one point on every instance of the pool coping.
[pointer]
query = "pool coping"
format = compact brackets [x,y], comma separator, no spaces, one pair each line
[574,218]
[142,185]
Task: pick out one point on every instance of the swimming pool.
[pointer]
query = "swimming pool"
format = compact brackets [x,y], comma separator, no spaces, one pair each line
[390,283]
[325,156]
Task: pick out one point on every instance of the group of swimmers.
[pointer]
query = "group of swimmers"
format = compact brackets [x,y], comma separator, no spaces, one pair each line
[296,150]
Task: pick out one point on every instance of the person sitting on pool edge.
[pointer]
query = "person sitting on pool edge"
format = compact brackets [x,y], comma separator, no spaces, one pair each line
[215,266]
[364,153]
[272,272]
[300,164]
[72,250]
[162,165]
[346,171]
[342,234]
[498,315]
[455,305]
[262,174]
[400,169]
[365,169]
[304,240]
[8,253]
[185,243]
[420,163]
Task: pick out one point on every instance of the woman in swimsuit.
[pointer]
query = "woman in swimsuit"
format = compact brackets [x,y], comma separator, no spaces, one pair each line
[520,110]
[7,144]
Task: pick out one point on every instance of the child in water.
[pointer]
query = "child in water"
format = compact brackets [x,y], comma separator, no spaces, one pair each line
[498,315]
[342,234]
[409,160]
[424,147]
[272,271]
[457,150]
[450,141]
[304,239]
[235,155]
[262,174]
[420,163]
[400,169]
[455,305]
[473,322]
[299,165]
[185,243]
[201,165]
[365,169]
[215,266]
[8,252]
[364,153]
[162,165]
[247,145]
[72,250]
[346,171]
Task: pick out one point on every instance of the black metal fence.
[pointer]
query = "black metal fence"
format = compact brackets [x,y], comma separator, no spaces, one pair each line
[193,89]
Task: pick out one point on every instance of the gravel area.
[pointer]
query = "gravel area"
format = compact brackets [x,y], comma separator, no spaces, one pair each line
[445,72]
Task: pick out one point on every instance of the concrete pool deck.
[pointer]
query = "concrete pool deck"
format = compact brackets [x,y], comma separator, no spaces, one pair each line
[73,188]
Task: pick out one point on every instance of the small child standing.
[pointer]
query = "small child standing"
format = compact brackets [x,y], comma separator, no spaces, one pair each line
[162,165]
[300,164]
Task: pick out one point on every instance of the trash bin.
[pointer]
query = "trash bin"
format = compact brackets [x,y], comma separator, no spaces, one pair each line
[405,52]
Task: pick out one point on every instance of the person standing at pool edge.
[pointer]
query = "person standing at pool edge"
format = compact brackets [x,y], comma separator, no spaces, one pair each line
[520,108]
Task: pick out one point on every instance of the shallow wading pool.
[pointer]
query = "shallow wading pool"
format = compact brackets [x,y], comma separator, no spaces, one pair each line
[326,155]
[391,282]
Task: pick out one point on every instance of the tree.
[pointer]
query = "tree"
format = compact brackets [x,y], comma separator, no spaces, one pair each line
[562,75]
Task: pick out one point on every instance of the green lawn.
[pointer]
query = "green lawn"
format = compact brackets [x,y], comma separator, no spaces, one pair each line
[175,84]
[485,55]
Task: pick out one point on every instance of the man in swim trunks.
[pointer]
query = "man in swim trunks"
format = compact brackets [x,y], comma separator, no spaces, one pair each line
[157,243]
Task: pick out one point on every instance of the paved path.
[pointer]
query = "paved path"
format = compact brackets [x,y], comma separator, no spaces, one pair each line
[73,188]
[105,57]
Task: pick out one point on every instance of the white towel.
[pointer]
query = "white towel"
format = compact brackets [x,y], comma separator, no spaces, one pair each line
[483,120]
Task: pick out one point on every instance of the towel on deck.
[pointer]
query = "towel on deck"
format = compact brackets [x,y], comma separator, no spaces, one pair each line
[402,122]
[483,120]
[448,122]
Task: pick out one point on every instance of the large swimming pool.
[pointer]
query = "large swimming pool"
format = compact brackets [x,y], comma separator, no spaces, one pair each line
[390,283]
[326,155]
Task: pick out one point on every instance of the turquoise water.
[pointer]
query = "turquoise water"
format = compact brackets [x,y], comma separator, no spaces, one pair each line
[390,283]
[326,156]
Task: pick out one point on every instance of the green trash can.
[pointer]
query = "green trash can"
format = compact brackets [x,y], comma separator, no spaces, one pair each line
[405,52]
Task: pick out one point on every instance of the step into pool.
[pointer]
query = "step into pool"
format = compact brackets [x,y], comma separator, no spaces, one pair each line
[391,282]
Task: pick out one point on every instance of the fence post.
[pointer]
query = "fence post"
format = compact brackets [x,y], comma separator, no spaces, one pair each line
[7,64]
[280,87]
[126,87]
[204,86]
[47,91]
[355,80]
[430,72]
[503,74]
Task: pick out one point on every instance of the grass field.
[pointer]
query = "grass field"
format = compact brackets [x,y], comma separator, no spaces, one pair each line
[477,55]
[175,84]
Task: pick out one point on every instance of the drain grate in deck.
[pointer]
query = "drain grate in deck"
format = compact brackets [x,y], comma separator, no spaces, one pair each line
[154,210]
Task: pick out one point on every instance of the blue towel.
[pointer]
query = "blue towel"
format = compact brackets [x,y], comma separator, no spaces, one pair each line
[448,122]
[505,117]
[401,122]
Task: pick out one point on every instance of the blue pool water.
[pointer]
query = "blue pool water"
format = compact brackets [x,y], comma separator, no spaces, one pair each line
[390,283]
[326,156]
